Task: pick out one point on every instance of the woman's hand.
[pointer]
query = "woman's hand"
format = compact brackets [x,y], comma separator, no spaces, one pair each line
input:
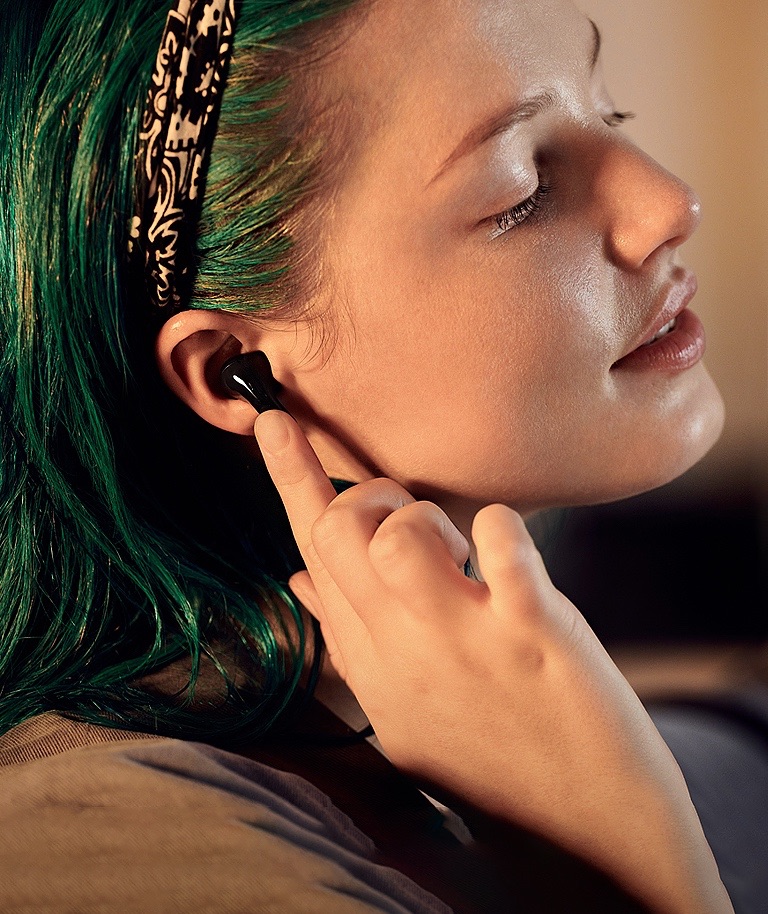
[498,692]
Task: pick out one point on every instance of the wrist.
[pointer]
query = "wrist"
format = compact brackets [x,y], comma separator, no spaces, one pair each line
[662,865]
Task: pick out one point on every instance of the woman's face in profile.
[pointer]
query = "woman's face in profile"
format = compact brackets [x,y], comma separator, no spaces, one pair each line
[480,354]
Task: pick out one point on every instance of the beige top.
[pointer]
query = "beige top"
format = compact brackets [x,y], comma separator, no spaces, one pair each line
[97,820]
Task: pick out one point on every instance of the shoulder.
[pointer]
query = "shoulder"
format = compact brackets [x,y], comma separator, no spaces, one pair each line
[154,824]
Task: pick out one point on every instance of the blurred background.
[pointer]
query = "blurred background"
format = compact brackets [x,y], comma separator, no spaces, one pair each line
[675,582]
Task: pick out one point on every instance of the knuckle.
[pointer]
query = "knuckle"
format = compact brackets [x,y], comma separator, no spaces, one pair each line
[393,540]
[351,507]
[312,555]
[380,489]
[418,517]
[329,525]
[422,512]
[290,475]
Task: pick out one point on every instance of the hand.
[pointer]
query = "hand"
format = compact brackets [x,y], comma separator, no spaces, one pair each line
[497,692]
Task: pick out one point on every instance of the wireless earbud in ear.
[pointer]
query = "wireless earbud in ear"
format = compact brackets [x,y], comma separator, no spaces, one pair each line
[250,376]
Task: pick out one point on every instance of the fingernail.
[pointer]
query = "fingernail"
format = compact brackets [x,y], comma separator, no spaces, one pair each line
[272,431]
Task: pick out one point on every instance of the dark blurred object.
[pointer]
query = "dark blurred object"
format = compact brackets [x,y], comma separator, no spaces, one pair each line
[684,564]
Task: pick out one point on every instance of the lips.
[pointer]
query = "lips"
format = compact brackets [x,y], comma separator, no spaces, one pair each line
[667,328]
[678,296]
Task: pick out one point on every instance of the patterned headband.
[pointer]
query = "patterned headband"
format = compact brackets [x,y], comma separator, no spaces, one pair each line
[176,136]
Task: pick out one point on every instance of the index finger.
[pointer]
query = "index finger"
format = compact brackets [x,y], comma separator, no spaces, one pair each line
[298,475]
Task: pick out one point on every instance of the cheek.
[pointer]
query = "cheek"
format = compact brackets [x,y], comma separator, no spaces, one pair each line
[547,304]
[522,324]
[467,353]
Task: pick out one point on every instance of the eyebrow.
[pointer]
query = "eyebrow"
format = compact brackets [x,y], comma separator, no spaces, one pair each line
[511,117]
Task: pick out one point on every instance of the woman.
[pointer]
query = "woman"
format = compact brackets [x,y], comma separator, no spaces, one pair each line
[464,281]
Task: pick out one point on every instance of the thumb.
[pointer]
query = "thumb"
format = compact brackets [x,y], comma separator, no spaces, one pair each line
[508,558]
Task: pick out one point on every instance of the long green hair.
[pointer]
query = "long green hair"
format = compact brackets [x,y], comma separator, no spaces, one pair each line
[111,569]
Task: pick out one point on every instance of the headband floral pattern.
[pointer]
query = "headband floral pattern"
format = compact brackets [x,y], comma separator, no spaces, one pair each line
[177,132]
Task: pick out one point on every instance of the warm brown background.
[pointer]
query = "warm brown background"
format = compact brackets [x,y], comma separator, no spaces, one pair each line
[688,563]
[696,74]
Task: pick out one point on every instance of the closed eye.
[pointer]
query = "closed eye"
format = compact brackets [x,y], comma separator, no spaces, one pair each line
[618,118]
[517,214]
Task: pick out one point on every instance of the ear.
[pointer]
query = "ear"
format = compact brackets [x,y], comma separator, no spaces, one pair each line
[190,351]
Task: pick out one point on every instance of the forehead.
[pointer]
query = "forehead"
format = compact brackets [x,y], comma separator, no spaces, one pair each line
[422,73]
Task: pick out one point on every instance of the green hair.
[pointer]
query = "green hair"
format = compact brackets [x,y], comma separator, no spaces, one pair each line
[109,573]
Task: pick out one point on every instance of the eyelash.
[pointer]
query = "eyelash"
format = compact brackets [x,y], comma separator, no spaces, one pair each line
[516,215]
[618,117]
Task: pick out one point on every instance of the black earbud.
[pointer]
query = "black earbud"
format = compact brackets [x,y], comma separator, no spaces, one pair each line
[250,376]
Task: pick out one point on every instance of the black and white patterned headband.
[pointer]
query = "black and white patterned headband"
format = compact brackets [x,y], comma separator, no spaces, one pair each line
[176,136]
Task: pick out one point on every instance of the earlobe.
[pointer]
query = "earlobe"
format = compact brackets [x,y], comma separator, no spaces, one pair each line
[190,350]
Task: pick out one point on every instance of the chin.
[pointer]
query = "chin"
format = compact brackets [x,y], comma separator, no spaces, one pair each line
[668,457]
[642,454]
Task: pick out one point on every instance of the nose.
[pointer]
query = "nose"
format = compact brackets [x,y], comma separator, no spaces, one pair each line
[646,208]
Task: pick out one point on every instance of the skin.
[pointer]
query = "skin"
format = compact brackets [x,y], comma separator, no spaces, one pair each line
[473,381]
[475,369]
[439,661]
